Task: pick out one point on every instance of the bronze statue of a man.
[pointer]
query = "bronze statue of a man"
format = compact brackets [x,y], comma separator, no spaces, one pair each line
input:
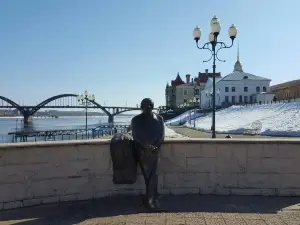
[148,132]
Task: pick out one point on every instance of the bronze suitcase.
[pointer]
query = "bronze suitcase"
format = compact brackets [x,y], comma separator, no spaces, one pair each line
[124,159]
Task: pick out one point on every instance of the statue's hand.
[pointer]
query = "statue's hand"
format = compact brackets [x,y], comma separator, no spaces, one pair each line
[153,148]
[148,146]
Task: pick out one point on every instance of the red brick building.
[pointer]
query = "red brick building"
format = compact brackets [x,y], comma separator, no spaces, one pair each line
[180,92]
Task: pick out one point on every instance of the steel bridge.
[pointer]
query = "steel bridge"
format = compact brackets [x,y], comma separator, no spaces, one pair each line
[66,101]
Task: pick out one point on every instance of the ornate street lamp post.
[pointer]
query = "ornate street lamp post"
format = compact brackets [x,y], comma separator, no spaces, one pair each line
[213,42]
[86,100]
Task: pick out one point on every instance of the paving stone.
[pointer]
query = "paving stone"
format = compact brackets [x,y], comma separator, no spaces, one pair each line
[183,210]
[212,215]
[274,221]
[231,216]
[192,221]
[236,221]
[255,222]
[215,221]
[251,216]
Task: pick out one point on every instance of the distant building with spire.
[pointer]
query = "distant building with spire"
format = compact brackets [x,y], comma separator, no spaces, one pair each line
[180,92]
[238,66]
[237,87]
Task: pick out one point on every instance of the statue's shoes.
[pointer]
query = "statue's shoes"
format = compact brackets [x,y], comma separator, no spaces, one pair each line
[154,206]
[151,206]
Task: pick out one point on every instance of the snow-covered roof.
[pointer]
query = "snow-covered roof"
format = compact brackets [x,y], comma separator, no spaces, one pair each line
[238,75]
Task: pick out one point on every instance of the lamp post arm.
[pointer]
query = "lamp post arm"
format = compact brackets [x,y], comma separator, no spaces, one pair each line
[205,46]
[222,45]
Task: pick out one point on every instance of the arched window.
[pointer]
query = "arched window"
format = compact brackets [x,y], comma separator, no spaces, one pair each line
[258,89]
[264,89]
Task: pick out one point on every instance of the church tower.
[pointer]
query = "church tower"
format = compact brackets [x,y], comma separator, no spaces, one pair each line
[238,66]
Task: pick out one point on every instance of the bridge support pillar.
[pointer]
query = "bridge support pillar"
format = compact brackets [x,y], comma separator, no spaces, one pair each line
[27,117]
[110,119]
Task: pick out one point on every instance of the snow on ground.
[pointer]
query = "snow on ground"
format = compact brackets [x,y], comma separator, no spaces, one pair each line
[181,119]
[169,133]
[281,119]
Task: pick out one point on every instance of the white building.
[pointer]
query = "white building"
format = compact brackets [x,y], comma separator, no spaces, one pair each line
[237,87]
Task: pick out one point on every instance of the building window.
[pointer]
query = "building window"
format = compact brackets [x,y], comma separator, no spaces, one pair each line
[245,89]
[184,101]
[264,89]
[251,99]
[196,91]
[185,92]
[226,99]
[245,99]
[233,89]
[257,89]
[233,99]
[226,89]
[241,99]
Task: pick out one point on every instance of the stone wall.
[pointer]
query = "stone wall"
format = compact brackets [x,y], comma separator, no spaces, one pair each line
[40,173]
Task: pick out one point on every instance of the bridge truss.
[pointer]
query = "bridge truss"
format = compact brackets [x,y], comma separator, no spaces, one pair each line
[63,101]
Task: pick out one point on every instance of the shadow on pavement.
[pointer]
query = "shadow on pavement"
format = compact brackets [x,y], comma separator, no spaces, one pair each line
[75,212]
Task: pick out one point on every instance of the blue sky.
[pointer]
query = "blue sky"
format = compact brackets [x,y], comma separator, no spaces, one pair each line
[127,50]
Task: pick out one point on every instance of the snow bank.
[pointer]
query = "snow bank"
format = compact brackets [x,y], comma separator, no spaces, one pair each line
[169,133]
[181,119]
[281,119]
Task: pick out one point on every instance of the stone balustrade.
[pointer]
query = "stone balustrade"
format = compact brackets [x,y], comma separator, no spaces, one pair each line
[50,172]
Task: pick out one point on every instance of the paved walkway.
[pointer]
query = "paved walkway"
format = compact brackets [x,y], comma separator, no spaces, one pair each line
[188,132]
[183,210]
